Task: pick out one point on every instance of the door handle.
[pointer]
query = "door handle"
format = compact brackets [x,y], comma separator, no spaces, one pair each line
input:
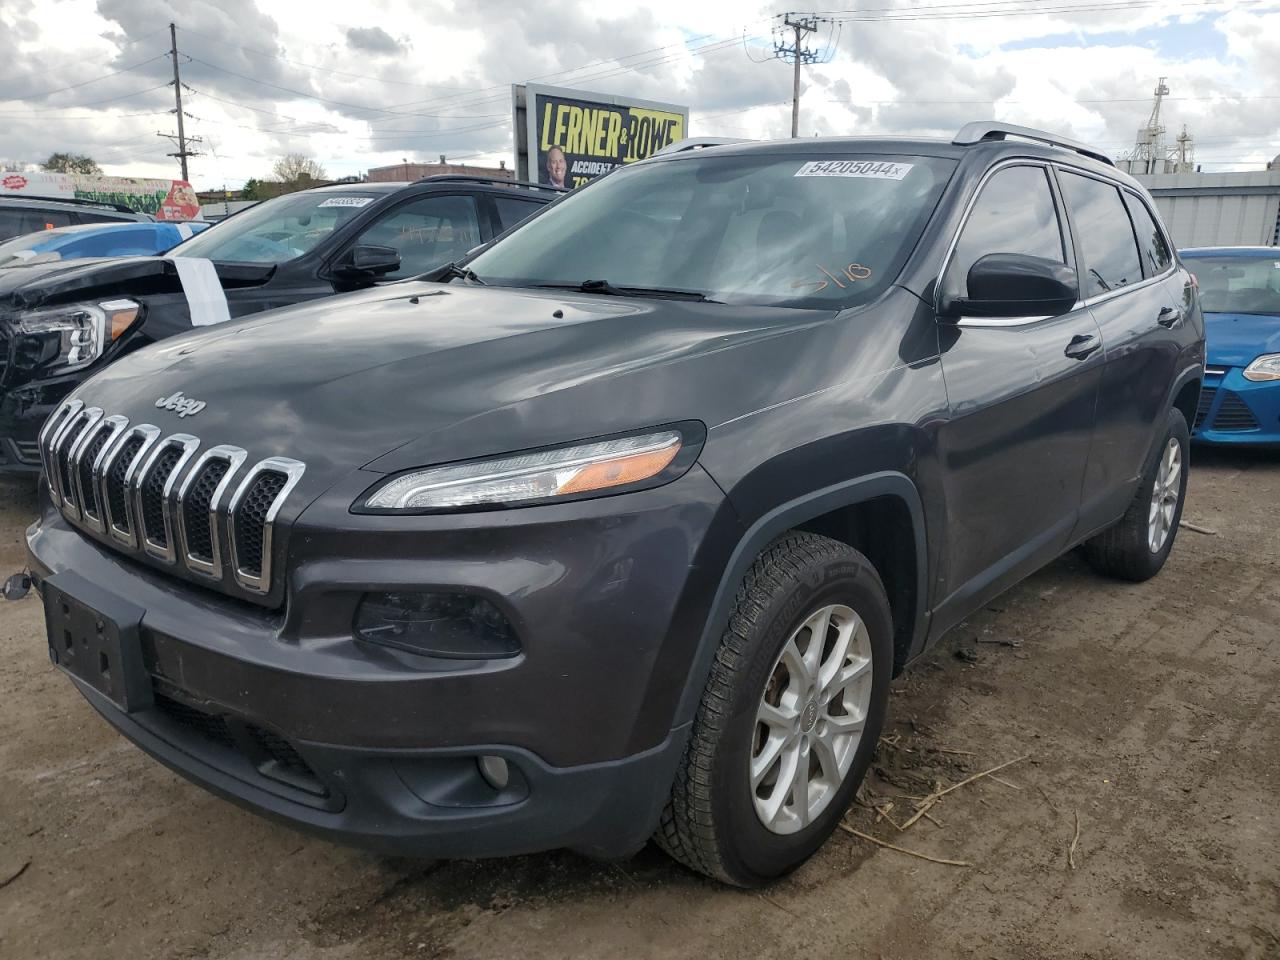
[1169,317]
[1082,345]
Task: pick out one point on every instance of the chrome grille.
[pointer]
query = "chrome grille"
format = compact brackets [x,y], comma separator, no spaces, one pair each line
[165,496]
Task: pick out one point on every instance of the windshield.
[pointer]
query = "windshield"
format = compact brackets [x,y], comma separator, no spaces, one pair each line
[277,230]
[29,241]
[1238,284]
[789,230]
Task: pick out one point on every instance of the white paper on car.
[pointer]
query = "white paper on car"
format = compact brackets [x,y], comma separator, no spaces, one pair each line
[863,169]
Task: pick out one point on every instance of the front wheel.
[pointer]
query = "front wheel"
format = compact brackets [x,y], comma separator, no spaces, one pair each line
[790,715]
[1137,547]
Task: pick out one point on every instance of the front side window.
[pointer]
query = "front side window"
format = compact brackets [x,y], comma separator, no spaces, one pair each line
[277,230]
[428,233]
[1102,226]
[783,229]
[1238,284]
[1156,255]
[1015,213]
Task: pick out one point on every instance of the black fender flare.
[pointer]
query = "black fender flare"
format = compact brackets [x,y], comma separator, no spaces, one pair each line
[888,483]
[1192,371]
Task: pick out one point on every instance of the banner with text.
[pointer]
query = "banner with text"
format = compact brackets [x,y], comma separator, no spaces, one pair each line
[163,199]
[574,136]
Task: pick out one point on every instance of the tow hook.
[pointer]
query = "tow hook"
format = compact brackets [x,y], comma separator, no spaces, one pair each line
[16,587]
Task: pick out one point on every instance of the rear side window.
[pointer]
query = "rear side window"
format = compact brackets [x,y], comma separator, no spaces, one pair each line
[12,223]
[511,210]
[1156,256]
[1104,232]
[1014,213]
[102,218]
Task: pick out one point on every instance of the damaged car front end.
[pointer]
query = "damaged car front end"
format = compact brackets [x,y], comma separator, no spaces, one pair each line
[61,322]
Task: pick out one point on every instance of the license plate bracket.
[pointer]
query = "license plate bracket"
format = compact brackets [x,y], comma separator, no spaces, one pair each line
[96,637]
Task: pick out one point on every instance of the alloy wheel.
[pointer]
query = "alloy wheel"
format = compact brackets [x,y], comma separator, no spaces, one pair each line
[810,719]
[1164,496]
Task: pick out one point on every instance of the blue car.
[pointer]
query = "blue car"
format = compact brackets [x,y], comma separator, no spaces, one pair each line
[1240,295]
[96,240]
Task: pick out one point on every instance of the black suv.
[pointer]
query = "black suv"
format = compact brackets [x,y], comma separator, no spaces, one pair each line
[623,531]
[20,214]
[61,322]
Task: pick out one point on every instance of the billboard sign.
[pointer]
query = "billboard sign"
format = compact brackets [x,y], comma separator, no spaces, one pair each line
[163,199]
[569,137]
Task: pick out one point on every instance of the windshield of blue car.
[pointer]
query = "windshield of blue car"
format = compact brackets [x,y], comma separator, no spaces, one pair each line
[1238,284]
[785,229]
[277,230]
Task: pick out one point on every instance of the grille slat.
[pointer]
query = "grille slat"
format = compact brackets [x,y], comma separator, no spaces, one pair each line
[1204,406]
[195,506]
[251,515]
[1234,415]
[117,492]
[91,507]
[150,494]
[62,454]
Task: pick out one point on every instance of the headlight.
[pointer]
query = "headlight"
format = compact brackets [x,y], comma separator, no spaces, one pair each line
[74,335]
[560,473]
[1264,368]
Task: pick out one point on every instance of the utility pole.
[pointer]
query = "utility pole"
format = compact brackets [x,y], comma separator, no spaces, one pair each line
[182,140]
[798,54]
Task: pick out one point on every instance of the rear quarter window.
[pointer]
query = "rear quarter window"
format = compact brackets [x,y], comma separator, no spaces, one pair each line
[1156,255]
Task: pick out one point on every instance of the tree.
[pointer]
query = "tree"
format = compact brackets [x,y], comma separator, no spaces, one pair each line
[250,189]
[71,163]
[293,167]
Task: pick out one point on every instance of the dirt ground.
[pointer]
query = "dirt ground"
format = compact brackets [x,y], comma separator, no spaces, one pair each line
[1151,713]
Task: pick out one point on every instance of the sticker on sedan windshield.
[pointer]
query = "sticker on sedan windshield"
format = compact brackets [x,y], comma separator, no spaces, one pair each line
[867,169]
[347,202]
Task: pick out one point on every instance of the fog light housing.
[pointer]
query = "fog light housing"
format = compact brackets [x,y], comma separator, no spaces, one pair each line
[458,626]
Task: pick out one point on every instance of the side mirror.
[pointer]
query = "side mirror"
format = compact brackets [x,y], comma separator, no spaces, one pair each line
[366,262]
[1016,285]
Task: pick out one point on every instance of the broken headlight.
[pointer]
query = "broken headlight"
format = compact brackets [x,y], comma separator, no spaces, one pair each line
[74,335]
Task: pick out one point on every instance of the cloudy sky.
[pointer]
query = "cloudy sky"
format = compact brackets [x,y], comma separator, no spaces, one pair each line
[360,85]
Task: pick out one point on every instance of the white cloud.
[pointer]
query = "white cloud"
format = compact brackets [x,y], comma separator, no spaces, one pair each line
[365,85]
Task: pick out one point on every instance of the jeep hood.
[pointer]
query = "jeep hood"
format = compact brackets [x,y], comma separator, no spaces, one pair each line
[418,373]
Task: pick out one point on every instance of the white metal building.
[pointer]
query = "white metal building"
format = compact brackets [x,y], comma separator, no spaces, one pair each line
[1218,209]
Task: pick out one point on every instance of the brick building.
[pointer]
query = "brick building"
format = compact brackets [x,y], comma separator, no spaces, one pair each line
[416,171]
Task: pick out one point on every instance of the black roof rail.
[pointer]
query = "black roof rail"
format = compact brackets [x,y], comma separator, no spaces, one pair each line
[981,130]
[123,208]
[481,178]
[697,143]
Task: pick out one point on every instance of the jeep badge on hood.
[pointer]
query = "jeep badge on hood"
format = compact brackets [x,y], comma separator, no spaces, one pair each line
[182,406]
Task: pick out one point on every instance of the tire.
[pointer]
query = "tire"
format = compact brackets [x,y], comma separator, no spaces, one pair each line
[1127,550]
[715,819]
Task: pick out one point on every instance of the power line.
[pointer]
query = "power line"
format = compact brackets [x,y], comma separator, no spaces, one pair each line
[909,14]
[316,66]
[85,83]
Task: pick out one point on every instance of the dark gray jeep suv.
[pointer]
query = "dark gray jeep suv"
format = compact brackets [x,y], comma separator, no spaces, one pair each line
[621,529]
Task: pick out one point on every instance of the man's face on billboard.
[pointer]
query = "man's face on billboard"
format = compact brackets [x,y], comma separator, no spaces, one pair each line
[556,166]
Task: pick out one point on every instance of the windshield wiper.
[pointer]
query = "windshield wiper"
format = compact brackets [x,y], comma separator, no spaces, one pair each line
[610,290]
[452,270]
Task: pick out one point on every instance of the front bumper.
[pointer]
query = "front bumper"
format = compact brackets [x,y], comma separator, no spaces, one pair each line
[23,411]
[1237,411]
[286,713]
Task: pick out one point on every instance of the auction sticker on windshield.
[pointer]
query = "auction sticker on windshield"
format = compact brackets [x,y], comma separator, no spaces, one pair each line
[347,202]
[867,169]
